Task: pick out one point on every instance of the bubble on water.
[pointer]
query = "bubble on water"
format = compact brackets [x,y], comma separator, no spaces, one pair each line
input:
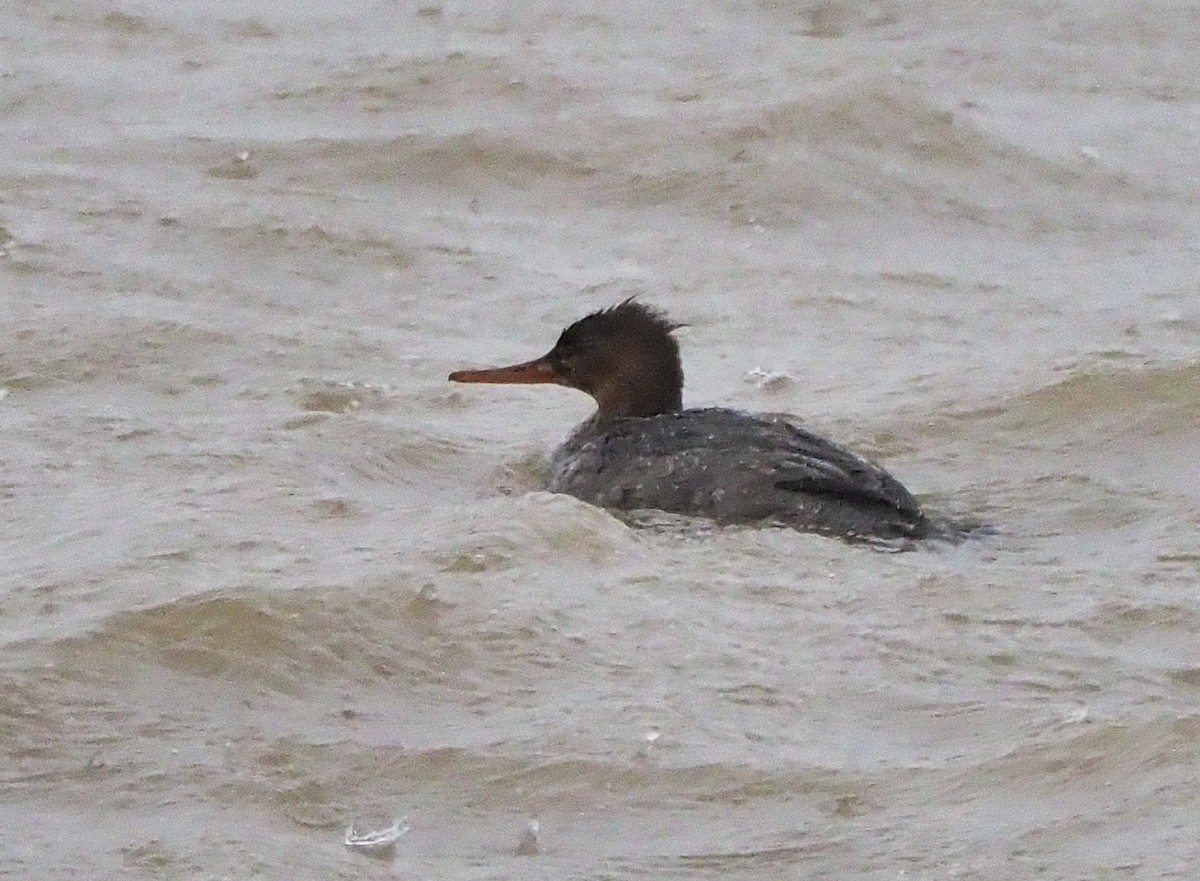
[379,842]
[767,380]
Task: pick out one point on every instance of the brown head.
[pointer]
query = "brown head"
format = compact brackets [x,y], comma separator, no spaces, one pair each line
[623,356]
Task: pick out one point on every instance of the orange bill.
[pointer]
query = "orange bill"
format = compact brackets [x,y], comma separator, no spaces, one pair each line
[537,370]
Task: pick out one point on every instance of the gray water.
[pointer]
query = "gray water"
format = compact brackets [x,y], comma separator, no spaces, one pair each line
[266,574]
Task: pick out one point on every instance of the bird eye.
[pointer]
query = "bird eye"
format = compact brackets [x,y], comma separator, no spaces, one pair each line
[566,363]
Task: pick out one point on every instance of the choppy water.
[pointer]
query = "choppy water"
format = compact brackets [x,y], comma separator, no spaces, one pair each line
[267,575]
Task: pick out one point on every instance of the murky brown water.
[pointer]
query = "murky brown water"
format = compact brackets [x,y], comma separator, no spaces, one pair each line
[267,575]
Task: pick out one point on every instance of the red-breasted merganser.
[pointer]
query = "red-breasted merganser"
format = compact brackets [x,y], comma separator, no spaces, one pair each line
[642,450]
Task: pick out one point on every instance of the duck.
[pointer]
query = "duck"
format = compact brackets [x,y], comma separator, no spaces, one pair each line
[643,450]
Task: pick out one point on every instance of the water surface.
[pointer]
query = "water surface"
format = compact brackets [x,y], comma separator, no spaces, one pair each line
[267,575]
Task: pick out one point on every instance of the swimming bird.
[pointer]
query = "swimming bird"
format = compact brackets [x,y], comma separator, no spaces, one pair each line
[642,450]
